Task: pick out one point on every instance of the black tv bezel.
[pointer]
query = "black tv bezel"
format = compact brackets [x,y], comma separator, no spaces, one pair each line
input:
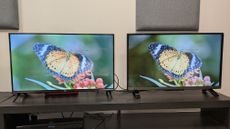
[58,91]
[139,88]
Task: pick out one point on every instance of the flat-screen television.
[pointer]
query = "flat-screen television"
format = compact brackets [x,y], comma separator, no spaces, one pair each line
[44,62]
[174,61]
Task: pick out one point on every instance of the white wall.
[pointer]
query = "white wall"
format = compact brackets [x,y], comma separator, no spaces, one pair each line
[104,16]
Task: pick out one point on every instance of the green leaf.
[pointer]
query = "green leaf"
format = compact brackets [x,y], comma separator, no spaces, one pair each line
[109,86]
[67,86]
[55,86]
[177,83]
[165,83]
[153,81]
[216,84]
[40,84]
[92,76]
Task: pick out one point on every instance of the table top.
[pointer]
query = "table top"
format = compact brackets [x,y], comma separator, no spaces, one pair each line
[4,96]
[91,101]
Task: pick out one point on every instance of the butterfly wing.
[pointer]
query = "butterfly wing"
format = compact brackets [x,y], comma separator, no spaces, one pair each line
[172,62]
[85,63]
[59,62]
[62,64]
[194,62]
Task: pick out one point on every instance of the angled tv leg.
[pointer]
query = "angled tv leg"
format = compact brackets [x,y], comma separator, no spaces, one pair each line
[109,94]
[25,95]
[214,93]
[136,94]
[16,97]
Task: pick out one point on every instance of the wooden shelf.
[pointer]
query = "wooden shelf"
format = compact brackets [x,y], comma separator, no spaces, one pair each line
[191,120]
[215,111]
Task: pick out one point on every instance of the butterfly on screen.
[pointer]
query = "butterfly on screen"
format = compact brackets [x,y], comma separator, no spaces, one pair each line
[61,63]
[172,62]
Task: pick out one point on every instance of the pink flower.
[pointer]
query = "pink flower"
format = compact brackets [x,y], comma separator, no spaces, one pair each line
[81,84]
[76,86]
[207,78]
[189,75]
[193,80]
[88,73]
[86,83]
[76,79]
[81,76]
[99,80]
[83,81]
[89,83]
[87,79]
[207,81]
[92,82]
[186,83]
[169,77]
[100,85]
[60,81]
[197,81]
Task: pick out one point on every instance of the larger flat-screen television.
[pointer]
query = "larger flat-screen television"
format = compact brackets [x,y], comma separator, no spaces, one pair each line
[44,62]
[174,61]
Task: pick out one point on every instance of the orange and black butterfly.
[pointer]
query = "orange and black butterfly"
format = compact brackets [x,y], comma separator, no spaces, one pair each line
[172,62]
[62,63]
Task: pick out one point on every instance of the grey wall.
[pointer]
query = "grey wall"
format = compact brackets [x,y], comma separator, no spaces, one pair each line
[167,15]
[9,14]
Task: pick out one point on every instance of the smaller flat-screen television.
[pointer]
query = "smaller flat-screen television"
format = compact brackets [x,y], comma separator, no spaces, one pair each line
[174,61]
[45,62]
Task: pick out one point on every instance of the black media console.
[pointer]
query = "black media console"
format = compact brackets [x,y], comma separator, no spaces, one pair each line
[213,112]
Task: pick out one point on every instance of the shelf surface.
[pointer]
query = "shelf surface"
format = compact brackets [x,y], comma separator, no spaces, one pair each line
[4,96]
[90,101]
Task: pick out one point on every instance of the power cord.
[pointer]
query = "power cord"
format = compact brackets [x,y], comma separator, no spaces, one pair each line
[117,82]
[62,114]
[71,115]
[98,116]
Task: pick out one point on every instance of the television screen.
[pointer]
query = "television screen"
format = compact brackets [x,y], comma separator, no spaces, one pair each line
[172,61]
[61,62]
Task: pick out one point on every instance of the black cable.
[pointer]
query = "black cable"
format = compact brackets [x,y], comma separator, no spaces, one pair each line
[99,124]
[118,83]
[98,116]
[62,114]
[71,115]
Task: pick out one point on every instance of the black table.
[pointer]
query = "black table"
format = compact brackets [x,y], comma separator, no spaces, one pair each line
[214,107]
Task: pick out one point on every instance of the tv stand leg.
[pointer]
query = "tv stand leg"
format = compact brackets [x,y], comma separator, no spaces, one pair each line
[25,95]
[109,94]
[16,97]
[119,119]
[2,121]
[214,93]
[136,94]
